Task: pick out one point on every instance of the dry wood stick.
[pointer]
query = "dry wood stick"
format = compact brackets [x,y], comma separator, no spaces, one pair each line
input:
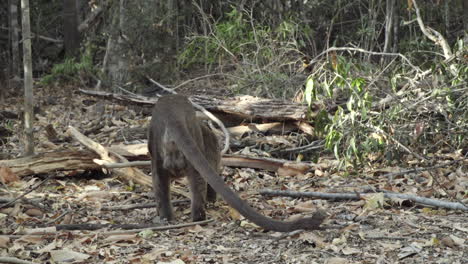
[357,196]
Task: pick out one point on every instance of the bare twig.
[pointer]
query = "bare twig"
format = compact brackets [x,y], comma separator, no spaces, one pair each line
[33,35]
[288,234]
[14,260]
[357,196]
[202,77]
[128,173]
[318,144]
[140,206]
[54,231]
[25,193]
[417,69]
[127,164]
[432,34]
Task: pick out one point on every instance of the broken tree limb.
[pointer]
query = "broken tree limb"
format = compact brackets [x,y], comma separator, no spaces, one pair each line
[54,229]
[129,173]
[15,260]
[275,127]
[357,196]
[65,160]
[247,107]
[229,160]
[115,157]
[139,206]
[277,165]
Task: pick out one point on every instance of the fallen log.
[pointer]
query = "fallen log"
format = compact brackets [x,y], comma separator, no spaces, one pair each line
[269,164]
[65,160]
[246,107]
[129,173]
[68,160]
[357,196]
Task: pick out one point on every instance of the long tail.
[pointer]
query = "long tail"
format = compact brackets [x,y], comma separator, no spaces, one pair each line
[192,153]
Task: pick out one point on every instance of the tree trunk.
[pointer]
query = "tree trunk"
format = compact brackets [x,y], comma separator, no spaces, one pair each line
[28,82]
[122,61]
[388,25]
[14,34]
[71,36]
[115,62]
[465,20]
[396,26]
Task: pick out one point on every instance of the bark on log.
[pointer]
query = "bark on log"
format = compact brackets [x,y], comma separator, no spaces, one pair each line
[247,107]
[129,173]
[269,164]
[66,160]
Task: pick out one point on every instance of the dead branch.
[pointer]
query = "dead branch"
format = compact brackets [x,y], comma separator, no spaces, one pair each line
[275,127]
[432,34]
[246,107]
[140,206]
[65,160]
[357,196]
[403,57]
[53,230]
[14,260]
[128,173]
[268,164]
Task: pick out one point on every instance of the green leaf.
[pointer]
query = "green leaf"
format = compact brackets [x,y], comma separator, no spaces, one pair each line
[309,90]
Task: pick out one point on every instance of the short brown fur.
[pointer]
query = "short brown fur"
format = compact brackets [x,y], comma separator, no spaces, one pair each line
[180,145]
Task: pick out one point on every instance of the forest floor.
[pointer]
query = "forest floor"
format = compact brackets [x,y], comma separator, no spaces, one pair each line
[369,230]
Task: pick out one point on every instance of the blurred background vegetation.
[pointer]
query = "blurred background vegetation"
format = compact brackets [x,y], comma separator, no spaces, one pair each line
[388,81]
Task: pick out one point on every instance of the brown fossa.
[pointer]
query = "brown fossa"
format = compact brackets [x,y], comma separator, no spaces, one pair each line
[180,145]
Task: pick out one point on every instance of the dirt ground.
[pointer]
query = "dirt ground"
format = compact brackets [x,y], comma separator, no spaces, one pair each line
[370,230]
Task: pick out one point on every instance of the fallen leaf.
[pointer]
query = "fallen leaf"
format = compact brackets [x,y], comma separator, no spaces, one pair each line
[34,212]
[350,251]
[458,241]
[31,239]
[147,233]
[336,260]
[48,248]
[119,238]
[7,175]
[4,240]
[374,201]
[447,242]
[96,196]
[234,214]
[304,207]
[67,255]
[408,251]
[313,239]
[177,261]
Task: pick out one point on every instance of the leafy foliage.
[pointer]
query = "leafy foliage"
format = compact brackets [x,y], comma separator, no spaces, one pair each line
[261,54]
[382,122]
[70,70]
